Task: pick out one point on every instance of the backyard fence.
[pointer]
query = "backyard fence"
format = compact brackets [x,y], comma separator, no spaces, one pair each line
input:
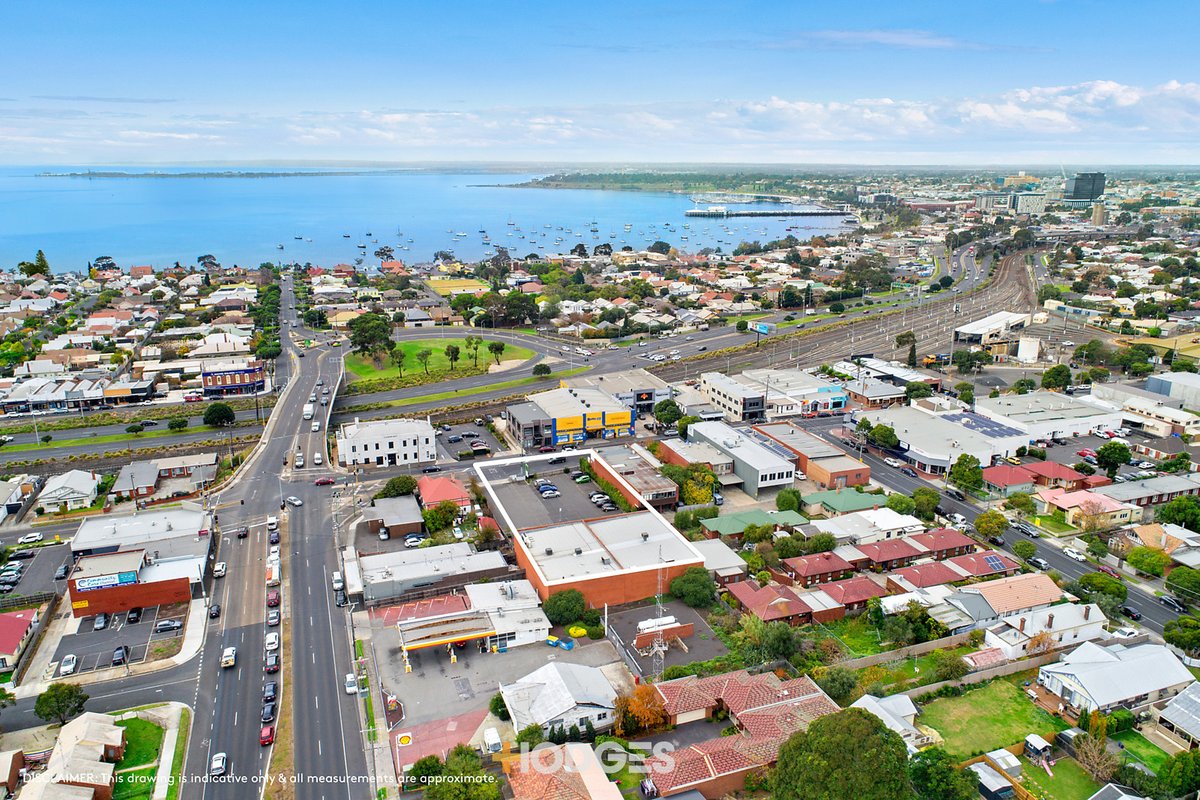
[22,666]
[982,675]
[945,642]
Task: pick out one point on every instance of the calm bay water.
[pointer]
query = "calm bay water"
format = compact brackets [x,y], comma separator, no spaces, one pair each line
[160,221]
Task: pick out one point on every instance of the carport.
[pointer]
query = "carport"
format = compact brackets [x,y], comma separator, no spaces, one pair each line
[421,634]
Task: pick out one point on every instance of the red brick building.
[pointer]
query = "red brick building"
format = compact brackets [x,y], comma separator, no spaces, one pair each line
[813,569]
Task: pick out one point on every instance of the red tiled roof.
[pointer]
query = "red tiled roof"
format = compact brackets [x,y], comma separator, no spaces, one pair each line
[888,550]
[435,489]
[817,564]
[858,589]
[976,563]
[1007,475]
[556,773]
[13,626]
[922,576]
[770,602]
[942,539]
[1053,470]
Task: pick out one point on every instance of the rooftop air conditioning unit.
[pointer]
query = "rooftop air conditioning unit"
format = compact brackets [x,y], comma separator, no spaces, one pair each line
[549,551]
[578,551]
[605,560]
[645,536]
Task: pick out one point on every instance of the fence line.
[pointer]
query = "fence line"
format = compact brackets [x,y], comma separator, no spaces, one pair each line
[986,674]
[953,640]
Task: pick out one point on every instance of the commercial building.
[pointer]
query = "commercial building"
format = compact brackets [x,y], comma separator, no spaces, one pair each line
[934,432]
[496,616]
[114,582]
[757,465]
[1001,327]
[681,452]
[1045,415]
[568,416]
[1085,186]
[739,402]
[636,388]
[790,392]
[1181,386]
[225,378]
[422,572]
[1028,203]
[397,515]
[639,468]
[823,463]
[386,443]
[142,478]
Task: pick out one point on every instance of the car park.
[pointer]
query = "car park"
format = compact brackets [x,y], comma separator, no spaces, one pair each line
[167,625]
[100,622]
[1072,553]
[121,656]
[134,616]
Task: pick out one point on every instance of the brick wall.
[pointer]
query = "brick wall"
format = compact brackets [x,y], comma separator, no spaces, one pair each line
[614,589]
[605,473]
[123,598]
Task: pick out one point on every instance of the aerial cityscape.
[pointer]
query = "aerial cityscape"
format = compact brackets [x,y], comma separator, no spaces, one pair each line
[545,402]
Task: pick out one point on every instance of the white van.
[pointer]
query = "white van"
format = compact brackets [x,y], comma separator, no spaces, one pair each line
[338,583]
[491,741]
[272,523]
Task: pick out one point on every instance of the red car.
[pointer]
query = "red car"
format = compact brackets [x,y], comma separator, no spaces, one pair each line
[1085,453]
[267,735]
[324,482]
[545,449]
[273,598]
[1107,570]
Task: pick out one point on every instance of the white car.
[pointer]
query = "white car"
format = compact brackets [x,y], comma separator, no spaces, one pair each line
[218,765]
[68,665]
[271,642]
[219,569]
[1125,633]
[295,501]
[30,538]
[894,463]
[1071,552]
[316,426]
[351,683]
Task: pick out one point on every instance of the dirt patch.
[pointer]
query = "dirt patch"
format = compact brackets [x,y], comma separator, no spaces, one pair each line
[164,648]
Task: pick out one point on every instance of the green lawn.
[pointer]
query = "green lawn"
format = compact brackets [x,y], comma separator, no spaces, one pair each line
[855,633]
[138,783]
[1070,782]
[995,715]
[143,740]
[1053,525]
[362,368]
[1142,749]
[907,669]
[464,393]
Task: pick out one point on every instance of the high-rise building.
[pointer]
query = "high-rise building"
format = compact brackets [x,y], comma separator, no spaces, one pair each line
[1085,186]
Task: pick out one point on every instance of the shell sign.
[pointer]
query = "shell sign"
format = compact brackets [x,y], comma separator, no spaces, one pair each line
[404,739]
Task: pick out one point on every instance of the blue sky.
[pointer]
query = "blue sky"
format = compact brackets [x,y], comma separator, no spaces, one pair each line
[790,82]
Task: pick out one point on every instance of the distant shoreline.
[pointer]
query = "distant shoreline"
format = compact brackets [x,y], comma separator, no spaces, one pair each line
[229,174]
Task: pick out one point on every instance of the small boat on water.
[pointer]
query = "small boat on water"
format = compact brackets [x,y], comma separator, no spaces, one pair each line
[297,238]
[278,247]
[362,247]
[345,236]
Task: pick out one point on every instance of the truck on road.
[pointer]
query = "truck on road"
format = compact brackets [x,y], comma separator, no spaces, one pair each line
[309,410]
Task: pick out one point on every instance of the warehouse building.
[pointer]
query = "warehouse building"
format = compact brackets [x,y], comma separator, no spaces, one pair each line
[1047,415]
[1182,386]
[421,572]
[999,328]
[756,466]
[823,463]
[791,392]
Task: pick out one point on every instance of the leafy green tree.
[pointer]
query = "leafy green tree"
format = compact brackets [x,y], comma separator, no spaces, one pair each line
[473,344]
[1111,456]
[1057,377]
[397,356]
[966,472]
[884,436]
[441,516]
[838,682]
[788,500]
[837,308]
[565,607]
[219,415]
[177,423]
[370,333]
[59,702]
[1024,550]
[925,502]
[816,764]
[423,356]
[1021,502]
[936,776]
[135,428]
[742,326]
[424,767]
[398,486]
[1184,582]
[991,523]
[463,778]
[667,412]
[452,352]
[1149,560]
[901,503]
[1184,511]
[948,666]
[1024,386]
[695,587]
[820,543]
[915,390]
[1099,583]
[498,707]
[496,349]
[541,370]
[685,423]
[1183,632]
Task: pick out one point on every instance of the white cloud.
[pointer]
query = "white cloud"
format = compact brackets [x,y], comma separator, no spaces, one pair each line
[1101,120]
[891,37]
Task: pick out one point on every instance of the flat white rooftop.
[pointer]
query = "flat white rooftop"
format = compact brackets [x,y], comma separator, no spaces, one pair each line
[1037,407]
[613,544]
[996,322]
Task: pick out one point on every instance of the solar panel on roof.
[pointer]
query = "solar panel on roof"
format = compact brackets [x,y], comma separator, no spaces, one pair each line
[994,562]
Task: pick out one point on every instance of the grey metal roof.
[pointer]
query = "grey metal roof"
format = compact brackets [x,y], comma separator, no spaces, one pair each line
[1184,711]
